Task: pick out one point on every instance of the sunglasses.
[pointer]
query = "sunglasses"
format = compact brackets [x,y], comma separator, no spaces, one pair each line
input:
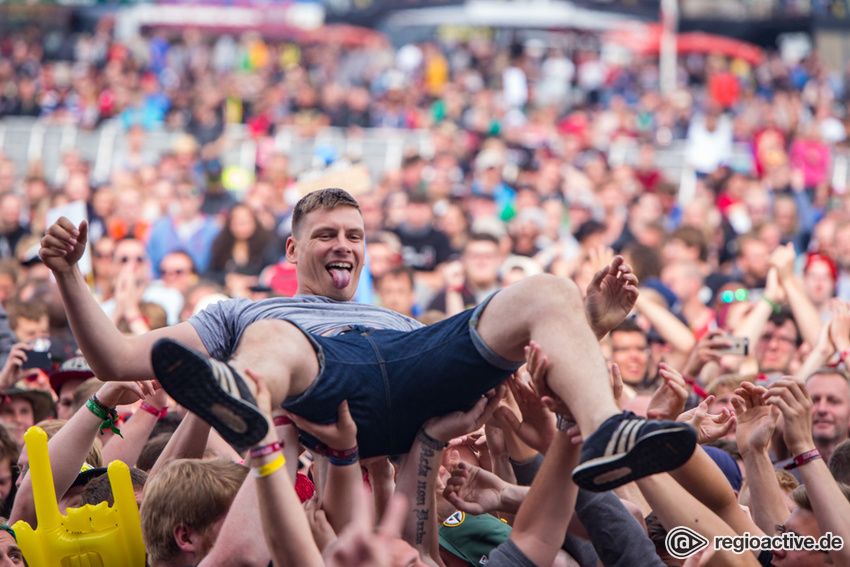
[730,296]
[125,259]
[177,272]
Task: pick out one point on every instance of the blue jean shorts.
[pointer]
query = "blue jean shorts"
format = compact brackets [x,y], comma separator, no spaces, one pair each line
[396,380]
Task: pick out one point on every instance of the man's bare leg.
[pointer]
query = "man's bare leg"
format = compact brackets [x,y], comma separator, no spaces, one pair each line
[218,393]
[550,311]
[280,353]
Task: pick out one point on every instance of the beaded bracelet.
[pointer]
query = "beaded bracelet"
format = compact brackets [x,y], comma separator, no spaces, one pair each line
[803,458]
[159,413]
[429,441]
[265,450]
[343,458]
[269,468]
[108,416]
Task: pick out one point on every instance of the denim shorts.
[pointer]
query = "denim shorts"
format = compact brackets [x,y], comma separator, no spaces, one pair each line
[396,380]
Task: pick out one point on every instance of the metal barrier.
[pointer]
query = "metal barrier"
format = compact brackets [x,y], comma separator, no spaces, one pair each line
[25,141]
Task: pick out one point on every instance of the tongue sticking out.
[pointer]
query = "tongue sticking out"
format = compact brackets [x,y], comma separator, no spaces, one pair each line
[341,277]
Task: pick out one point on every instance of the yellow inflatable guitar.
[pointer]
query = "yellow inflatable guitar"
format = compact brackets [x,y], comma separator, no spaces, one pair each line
[90,536]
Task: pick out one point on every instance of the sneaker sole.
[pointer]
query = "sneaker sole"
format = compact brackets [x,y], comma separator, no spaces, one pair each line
[187,377]
[657,452]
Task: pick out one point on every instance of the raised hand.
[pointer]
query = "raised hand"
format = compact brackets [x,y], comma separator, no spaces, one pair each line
[793,400]
[114,394]
[537,428]
[611,295]
[709,427]
[756,420]
[473,490]
[459,423]
[63,245]
[708,349]
[839,326]
[341,435]
[669,399]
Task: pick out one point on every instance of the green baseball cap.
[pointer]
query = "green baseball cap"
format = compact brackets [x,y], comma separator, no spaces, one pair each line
[472,538]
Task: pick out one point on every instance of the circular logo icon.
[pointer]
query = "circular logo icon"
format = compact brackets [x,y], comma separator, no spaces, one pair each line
[683,542]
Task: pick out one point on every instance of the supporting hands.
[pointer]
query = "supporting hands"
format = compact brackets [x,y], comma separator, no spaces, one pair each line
[476,491]
[839,326]
[446,427]
[756,420]
[793,400]
[113,394]
[537,428]
[63,245]
[611,295]
[668,401]
[340,435]
[709,427]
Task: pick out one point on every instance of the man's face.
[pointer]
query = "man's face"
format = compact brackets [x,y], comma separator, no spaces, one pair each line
[753,259]
[131,253]
[776,347]
[17,413]
[382,258]
[65,405]
[328,252]
[830,407]
[28,330]
[10,553]
[631,353]
[397,293]
[481,261]
[802,523]
[175,270]
[818,283]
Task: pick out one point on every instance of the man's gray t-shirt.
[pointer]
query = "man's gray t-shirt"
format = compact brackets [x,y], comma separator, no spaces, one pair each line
[221,325]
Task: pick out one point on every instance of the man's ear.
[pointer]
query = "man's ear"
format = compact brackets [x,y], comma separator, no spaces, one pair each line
[183,537]
[290,251]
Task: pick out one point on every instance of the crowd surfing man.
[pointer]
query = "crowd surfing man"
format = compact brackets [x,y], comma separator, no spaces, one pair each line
[319,348]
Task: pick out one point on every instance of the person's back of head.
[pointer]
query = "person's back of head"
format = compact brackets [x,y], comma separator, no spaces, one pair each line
[191,493]
[839,462]
[100,489]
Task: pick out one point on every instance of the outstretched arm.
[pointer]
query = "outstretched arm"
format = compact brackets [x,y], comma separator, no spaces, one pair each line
[110,355]
[69,447]
[756,422]
[829,505]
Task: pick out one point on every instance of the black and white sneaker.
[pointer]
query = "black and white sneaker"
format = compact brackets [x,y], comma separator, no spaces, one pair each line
[210,389]
[627,447]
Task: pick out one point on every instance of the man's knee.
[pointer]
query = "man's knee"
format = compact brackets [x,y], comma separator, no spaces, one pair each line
[547,294]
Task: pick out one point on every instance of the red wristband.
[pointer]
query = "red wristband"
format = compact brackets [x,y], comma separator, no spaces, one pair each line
[803,458]
[265,450]
[336,454]
[159,413]
[696,388]
[282,420]
[843,357]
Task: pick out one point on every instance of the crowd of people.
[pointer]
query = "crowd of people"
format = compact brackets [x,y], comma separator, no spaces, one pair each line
[543,164]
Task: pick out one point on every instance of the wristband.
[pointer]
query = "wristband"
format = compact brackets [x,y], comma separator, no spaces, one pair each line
[803,458]
[267,469]
[429,441]
[265,450]
[844,355]
[282,420]
[159,413]
[108,416]
[774,306]
[695,387]
[142,318]
[344,458]
[562,423]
